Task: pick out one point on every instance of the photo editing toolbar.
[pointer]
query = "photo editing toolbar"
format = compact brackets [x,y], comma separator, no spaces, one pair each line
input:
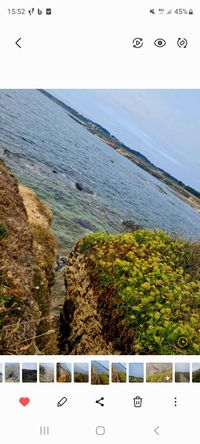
[100,398]
[99,222]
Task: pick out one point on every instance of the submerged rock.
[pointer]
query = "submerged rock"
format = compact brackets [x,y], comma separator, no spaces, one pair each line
[130,225]
[84,188]
[85,224]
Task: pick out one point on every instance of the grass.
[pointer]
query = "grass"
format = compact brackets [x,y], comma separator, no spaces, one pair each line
[135,379]
[98,378]
[160,377]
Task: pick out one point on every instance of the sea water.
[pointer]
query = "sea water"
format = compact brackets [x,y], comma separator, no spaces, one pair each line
[50,152]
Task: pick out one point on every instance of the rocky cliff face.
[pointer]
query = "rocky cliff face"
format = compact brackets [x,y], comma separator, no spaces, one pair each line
[27,251]
[82,329]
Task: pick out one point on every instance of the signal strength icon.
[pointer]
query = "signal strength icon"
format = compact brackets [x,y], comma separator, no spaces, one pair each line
[170,11]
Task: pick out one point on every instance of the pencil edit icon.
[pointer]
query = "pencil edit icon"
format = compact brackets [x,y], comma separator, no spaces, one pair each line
[62,401]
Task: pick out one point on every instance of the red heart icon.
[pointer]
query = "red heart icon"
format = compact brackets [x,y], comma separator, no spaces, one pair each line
[24,401]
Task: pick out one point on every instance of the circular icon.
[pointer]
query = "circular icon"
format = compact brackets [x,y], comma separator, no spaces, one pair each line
[160,43]
[138,42]
[182,342]
[182,43]
[100,430]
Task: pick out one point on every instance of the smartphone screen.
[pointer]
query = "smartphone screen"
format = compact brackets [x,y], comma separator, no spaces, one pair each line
[99,221]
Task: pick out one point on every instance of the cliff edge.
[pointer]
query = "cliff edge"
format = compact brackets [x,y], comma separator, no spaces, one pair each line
[27,251]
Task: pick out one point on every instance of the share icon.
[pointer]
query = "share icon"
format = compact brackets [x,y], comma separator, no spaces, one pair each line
[99,401]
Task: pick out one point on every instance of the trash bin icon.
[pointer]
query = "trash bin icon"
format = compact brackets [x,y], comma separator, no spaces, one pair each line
[137,401]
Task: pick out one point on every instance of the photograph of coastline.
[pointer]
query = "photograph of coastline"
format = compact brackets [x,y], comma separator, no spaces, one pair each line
[182,372]
[81,372]
[29,372]
[136,372]
[159,372]
[46,372]
[64,372]
[12,372]
[100,372]
[119,372]
[99,222]
[195,372]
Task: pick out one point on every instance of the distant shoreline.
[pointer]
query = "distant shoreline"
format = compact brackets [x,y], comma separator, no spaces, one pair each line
[186,193]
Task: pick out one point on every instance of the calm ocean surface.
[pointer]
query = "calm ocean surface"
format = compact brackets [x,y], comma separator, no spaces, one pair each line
[50,152]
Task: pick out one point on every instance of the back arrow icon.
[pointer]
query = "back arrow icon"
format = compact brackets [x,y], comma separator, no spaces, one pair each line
[17,42]
[156,431]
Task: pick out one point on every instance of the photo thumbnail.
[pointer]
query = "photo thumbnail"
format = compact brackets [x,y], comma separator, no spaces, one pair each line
[159,372]
[12,372]
[64,372]
[81,372]
[136,372]
[1,372]
[119,372]
[47,372]
[195,372]
[182,372]
[100,372]
[29,372]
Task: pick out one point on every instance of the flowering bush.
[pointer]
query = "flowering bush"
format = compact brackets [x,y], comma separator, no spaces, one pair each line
[147,298]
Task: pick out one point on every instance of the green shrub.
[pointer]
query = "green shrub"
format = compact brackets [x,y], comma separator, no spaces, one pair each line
[148,295]
[3,231]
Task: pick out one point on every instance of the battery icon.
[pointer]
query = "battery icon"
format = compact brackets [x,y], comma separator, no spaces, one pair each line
[137,401]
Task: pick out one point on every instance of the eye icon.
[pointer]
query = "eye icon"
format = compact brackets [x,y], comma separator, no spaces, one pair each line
[160,43]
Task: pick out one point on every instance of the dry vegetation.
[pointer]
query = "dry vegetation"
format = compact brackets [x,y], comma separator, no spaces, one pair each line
[27,249]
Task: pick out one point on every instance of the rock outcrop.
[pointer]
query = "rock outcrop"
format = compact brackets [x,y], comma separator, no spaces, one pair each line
[27,251]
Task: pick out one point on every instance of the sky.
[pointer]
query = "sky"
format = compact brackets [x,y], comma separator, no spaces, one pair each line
[136,370]
[48,366]
[195,367]
[182,367]
[81,368]
[66,366]
[30,366]
[161,124]
[100,366]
